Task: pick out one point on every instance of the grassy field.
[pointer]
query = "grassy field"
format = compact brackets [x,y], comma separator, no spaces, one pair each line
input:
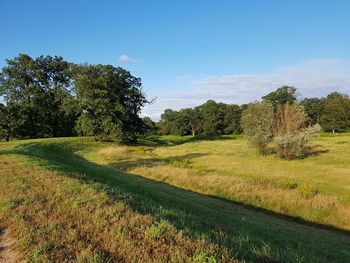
[175,199]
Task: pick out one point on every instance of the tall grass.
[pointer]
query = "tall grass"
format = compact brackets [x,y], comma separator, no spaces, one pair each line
[67,199]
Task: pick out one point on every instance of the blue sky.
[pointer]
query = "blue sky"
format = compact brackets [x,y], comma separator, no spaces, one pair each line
[189,51]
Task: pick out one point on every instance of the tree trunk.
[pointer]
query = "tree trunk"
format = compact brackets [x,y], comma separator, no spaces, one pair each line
[333,131]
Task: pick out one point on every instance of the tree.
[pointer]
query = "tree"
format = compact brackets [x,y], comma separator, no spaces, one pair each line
[232,119]
[111,100]
[289,119]
[313,108]
[257,122]
[210,118]
[336,113]
[190,120]
[291,137]
[5,125]
[213,117]
[167,124]
[281,96]
[37,92]
[149,126]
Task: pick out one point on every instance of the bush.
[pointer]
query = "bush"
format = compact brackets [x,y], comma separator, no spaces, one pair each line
[283,125]
[294,145]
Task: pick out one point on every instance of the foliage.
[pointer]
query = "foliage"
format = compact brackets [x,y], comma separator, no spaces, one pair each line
[5,125]
[284,126]
[50,97]
[288,119]
[336,113]
[149,126]
[39,96]
[190,120]
[111,100]
[257,122]
[210,118]
[281,96]
[293,145]
[313,108]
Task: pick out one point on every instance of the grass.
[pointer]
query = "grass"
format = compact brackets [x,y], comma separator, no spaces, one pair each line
[79,200]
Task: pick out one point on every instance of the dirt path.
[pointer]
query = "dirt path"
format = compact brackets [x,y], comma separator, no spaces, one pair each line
[6,247]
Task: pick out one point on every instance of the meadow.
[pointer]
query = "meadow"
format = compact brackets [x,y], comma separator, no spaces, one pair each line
[175,199]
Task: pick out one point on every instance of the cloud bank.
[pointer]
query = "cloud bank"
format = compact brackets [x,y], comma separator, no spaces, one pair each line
[312,78]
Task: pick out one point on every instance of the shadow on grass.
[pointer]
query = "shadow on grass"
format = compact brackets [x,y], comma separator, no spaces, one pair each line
[307,151]
[250,233]
[155,140]
[183,161]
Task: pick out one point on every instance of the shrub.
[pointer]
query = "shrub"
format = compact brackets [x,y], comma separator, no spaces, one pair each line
[294,145]
[283,125]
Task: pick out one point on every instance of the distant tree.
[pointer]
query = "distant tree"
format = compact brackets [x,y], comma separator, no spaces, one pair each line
[257,122]
[149,126]
[336,113]
[281,96]
[5,123]
[210,118]
[168,123]
[213,115]
[313,108]
[111,100]
[190,120]
[232,119]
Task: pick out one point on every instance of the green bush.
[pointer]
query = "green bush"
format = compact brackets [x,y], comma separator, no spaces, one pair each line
[295,145]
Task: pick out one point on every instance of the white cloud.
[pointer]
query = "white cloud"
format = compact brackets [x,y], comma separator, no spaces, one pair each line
[313,78]
[126,58]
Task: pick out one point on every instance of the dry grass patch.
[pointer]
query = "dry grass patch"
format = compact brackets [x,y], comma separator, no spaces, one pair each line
[62,219]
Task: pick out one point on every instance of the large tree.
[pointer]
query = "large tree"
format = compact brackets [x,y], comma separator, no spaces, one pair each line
[168,123]
[281,96]
[213,115]
[232,119]
[111,100]
[190,121]
[39,96]
[336,113]
[313,108]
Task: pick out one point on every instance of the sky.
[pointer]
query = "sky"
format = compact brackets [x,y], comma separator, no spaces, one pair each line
[187,52]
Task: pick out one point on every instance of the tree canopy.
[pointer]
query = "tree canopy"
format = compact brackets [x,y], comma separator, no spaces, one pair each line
[281,96]
[50,97]
[110,99]
[336,113]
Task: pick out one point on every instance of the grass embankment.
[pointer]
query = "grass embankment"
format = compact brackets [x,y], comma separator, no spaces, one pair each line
[65,199]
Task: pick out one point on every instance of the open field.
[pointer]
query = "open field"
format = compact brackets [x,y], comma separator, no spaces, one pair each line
[175,199]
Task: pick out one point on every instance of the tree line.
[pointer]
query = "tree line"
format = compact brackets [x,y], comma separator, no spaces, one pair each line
[332,113]
[50,97]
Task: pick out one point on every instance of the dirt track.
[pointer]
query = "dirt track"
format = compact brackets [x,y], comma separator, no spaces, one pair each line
[6,247]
